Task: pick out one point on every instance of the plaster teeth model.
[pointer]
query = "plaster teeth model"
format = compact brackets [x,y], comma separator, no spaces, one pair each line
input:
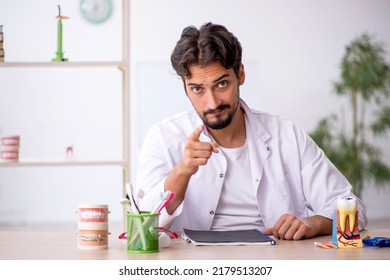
[347,207]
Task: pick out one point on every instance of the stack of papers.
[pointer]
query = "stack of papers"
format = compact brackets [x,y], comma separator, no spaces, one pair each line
[231,237]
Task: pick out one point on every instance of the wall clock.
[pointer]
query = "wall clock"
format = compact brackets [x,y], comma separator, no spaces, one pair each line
[96,11]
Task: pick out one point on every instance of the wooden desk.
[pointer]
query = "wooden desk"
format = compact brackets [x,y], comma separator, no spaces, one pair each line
[62,245]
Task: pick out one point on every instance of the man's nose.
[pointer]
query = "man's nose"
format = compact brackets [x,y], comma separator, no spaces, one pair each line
[212,100]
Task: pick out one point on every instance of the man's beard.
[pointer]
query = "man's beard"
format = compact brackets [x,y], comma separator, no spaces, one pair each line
[220,123]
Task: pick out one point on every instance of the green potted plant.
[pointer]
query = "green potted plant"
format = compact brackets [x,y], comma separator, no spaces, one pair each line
[350,143]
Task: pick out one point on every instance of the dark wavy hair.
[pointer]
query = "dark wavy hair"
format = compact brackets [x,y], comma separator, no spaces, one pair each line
[211,43]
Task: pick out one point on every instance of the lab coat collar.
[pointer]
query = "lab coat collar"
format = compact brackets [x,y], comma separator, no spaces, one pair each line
[257,129]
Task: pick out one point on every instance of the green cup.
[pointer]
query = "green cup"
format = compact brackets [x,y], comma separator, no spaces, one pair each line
[142,233]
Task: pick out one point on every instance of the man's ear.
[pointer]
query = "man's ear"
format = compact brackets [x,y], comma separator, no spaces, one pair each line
[241,74]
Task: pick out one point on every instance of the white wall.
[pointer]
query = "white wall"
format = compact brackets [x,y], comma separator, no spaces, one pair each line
[291,50]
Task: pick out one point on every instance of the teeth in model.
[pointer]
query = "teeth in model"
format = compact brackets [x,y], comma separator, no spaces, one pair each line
[347,207]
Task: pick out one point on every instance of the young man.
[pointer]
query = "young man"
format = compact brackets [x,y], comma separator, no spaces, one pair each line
[229,166]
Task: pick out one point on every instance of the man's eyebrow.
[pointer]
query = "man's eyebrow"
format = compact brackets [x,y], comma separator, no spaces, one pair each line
[193,84]
[214,81]
[220,78]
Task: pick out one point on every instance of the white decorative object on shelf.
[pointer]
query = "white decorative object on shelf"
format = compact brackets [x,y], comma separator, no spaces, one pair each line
[9,149]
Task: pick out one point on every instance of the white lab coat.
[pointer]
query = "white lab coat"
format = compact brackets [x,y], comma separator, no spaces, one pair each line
[290,174]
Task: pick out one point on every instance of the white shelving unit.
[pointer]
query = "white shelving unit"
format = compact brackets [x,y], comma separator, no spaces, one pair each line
[123,67]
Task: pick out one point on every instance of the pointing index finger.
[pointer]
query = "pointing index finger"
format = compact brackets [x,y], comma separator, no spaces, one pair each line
[196,134]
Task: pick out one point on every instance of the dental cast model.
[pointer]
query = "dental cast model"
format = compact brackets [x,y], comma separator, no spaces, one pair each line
[347,207]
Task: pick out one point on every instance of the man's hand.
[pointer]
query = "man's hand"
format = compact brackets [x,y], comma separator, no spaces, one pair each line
[196,153]
[291,227]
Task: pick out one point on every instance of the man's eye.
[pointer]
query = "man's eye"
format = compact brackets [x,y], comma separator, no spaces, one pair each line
[222,84]
[196,89]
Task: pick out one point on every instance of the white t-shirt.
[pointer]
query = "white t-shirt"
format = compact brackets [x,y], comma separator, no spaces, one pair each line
[237,207]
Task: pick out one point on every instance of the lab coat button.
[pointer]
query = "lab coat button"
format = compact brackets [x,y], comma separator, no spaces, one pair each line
[212,212]
[221,175]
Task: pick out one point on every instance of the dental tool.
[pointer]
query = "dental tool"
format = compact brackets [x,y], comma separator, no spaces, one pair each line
[167,196]
[125,202]
[134,210]
[130,194]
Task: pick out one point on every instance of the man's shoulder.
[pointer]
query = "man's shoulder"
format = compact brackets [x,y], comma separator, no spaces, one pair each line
[262,116]
[276,125]
[269,118]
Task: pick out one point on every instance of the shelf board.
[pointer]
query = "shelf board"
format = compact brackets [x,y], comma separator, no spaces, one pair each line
[63,64]
[65,162]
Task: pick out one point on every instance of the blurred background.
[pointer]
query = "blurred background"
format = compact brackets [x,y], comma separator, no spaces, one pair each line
[292,51]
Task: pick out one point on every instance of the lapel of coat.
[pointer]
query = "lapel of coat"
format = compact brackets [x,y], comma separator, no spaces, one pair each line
[259,149]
